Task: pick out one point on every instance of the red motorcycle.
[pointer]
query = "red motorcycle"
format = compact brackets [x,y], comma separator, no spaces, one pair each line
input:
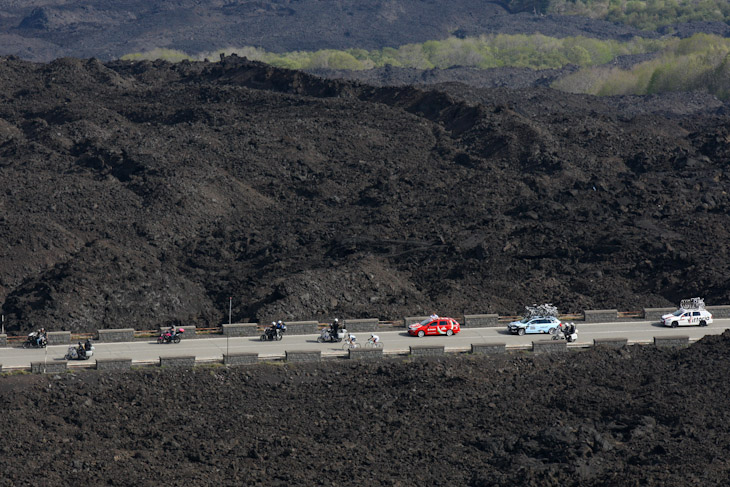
[171,336]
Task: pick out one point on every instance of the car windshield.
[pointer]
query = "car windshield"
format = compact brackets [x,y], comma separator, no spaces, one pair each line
[678,312]
[426,321]
[525,320]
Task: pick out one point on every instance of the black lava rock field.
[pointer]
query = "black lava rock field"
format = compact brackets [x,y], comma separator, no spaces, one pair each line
[141,194]
[639,416]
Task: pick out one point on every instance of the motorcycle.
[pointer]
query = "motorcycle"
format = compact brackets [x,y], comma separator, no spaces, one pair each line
[570,334]
[328,337]
[33,342]
[168,337]
[74,353]
[272,334]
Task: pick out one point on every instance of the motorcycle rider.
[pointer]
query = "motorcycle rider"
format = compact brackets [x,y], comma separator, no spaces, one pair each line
[40,336]
[271,330]
[334,326]
[87,345]
[81,351]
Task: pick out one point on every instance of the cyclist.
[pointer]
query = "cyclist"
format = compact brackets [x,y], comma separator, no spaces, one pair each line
[375,339]
[351,339]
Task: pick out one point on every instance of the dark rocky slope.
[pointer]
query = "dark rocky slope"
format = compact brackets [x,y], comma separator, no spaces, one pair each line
[42,30]
[638,416]
[142,194]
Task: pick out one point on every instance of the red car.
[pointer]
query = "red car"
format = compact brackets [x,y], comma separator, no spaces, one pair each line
[435,326]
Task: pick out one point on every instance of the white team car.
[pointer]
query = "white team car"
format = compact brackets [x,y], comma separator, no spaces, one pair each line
[683,317]
[534,324]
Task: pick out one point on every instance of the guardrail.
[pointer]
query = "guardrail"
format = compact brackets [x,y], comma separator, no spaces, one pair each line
[538,347]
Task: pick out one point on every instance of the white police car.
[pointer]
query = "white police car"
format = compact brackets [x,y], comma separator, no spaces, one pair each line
[534,324]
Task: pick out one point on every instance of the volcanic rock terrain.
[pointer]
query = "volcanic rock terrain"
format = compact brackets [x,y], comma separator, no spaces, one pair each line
[638,416]
[42,30]
[140,194]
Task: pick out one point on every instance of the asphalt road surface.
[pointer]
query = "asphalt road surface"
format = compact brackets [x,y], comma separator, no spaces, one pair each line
[399,341]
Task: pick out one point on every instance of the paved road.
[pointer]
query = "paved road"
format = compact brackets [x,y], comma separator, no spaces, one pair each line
[394,342]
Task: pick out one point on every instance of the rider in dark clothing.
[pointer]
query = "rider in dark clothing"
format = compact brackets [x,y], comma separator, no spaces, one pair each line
[335,326]
[271,330]
[81,351]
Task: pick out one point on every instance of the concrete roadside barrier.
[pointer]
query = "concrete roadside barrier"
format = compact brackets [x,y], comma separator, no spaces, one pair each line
[719,311]
[361,326]
[187,362]
[301,327]
[488,348]
[671,341]
[116,335]
[59,337]
[610,342]
[427,350]
[48,367]
[480,321]
[409,320]
[655,314]
[549,346]
[113,364]
[365,353]
[600,315]
[303,355]
[243,358]
[241,330]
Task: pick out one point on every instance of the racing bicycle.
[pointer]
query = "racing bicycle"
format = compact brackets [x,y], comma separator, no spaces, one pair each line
[373,344]
[348,343]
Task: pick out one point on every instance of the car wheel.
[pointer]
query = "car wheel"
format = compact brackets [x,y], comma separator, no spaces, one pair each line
[674,324]
[521,331]
[552,331]
[420,333]
[449,333]
[703,323]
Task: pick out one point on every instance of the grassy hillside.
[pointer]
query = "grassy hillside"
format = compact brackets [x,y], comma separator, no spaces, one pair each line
[531,51]
[700,63]
[643,14]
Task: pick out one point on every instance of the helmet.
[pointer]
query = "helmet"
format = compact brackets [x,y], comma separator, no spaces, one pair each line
[273,323]
[280,322]
[336,320]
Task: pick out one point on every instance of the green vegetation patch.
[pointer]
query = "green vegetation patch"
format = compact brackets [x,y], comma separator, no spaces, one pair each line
[525,51]
[643,14]
[699,63]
